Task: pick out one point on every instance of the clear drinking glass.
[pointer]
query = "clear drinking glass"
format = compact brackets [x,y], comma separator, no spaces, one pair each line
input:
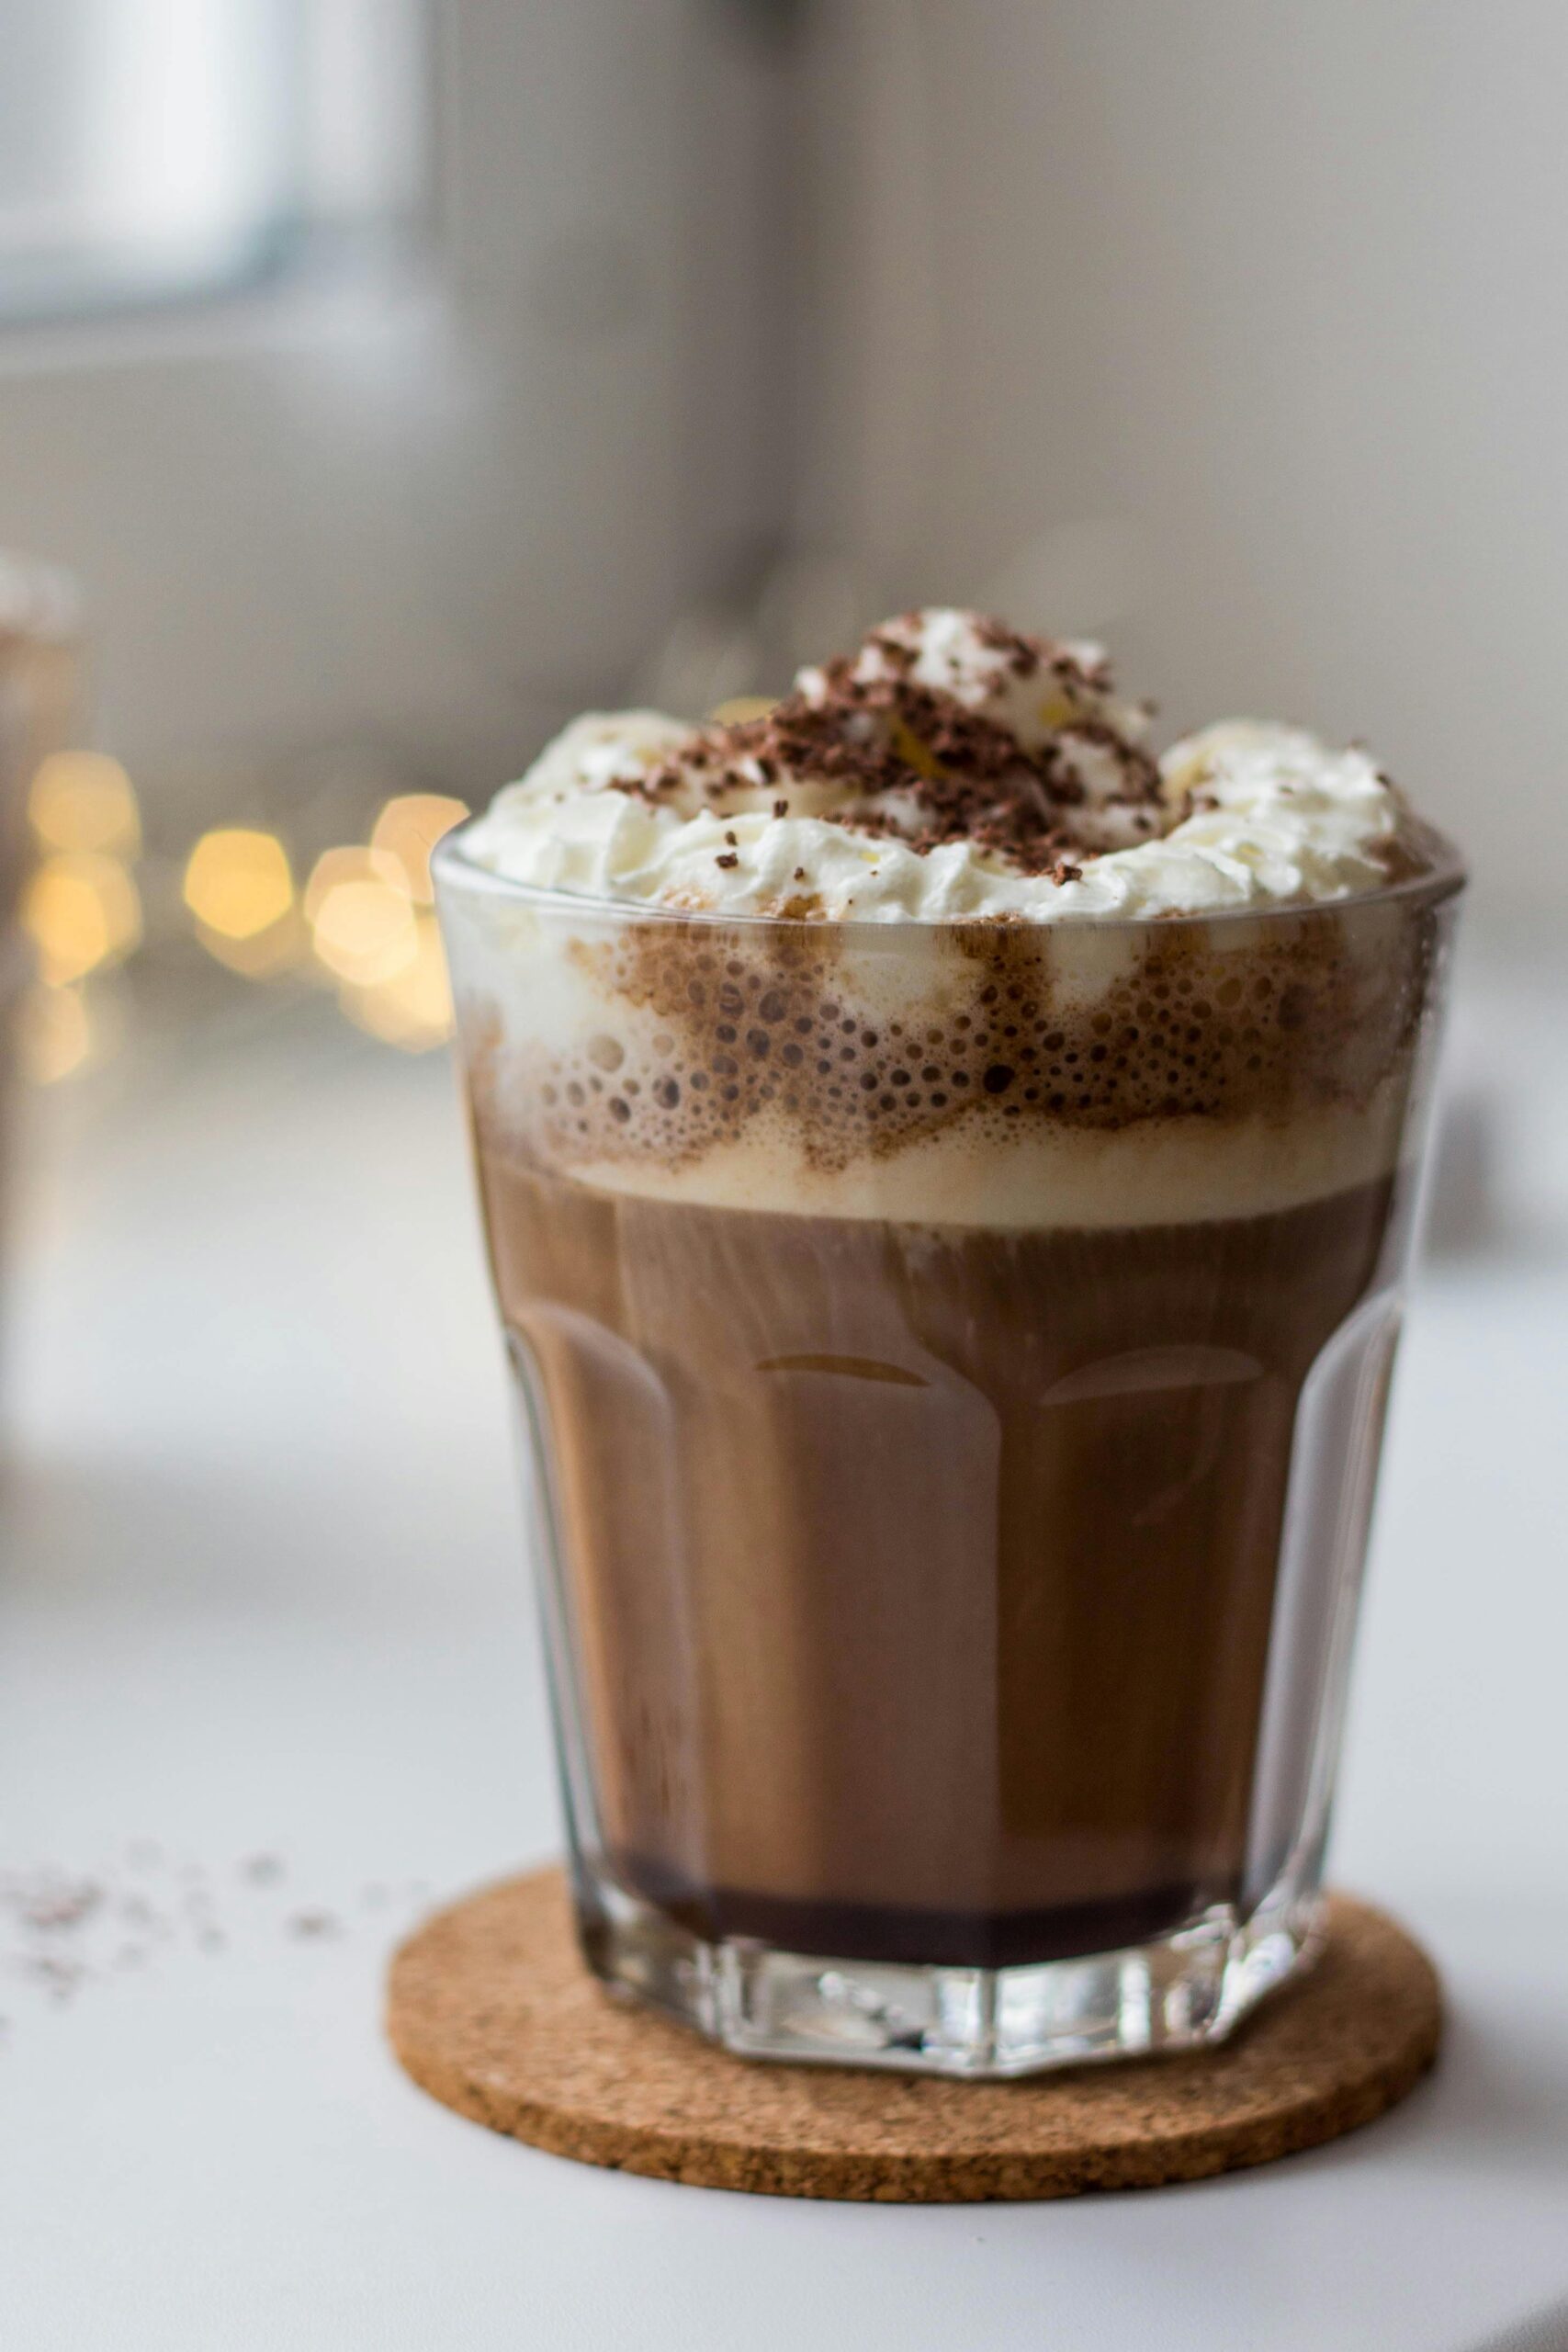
[953,1362]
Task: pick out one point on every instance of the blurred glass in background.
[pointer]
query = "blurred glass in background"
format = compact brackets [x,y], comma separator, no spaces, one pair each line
[37,674]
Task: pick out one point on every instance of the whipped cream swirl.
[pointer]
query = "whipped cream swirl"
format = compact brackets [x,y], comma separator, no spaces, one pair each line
[951,769]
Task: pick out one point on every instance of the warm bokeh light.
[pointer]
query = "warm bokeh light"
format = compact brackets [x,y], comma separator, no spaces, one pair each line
[82,910]
[364,920]
[741,707]
[263,954]
[238,884]
[84,801]
[364,930]
[413,1007]
[356,863]
[408,830]
[54,1035]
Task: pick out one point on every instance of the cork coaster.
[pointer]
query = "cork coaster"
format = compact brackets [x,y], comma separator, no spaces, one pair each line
[492,2010]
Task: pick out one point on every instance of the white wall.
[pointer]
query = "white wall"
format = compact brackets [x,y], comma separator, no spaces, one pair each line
[1268,302]
[435,513]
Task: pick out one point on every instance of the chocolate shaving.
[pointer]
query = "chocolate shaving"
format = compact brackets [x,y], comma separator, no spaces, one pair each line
[914,763]
[1023,654]
[918,765]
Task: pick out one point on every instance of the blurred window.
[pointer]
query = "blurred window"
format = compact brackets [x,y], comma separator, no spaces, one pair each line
[163,150]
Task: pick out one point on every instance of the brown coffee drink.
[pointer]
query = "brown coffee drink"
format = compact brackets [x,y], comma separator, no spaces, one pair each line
[922,1575]
[956,1353]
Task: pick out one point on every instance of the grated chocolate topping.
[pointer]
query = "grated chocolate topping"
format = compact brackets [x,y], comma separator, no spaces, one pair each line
[919,763]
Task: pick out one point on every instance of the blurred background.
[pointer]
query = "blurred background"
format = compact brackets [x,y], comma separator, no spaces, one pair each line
[381,381]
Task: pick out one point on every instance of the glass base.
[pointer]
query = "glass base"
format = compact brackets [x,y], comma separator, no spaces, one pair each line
[1182,1991]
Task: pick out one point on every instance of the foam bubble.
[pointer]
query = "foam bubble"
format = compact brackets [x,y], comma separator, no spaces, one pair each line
[982,1074]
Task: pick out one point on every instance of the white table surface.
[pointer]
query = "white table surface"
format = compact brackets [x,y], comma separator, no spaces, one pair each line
[261,1596]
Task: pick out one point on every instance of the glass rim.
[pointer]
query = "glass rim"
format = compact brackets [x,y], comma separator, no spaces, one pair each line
[1443,877]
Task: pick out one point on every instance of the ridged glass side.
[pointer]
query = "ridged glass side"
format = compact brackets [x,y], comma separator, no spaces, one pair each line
[948,1627]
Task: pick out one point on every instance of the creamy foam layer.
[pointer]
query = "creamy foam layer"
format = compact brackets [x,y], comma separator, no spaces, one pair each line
[970,1006]
[1172,1173]
[1087,1078]
[951,770]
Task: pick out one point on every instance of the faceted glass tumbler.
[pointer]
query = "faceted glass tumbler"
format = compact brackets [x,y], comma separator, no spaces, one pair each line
[951,1369]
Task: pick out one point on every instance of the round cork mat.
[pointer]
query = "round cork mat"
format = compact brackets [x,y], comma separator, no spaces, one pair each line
[492,2011]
